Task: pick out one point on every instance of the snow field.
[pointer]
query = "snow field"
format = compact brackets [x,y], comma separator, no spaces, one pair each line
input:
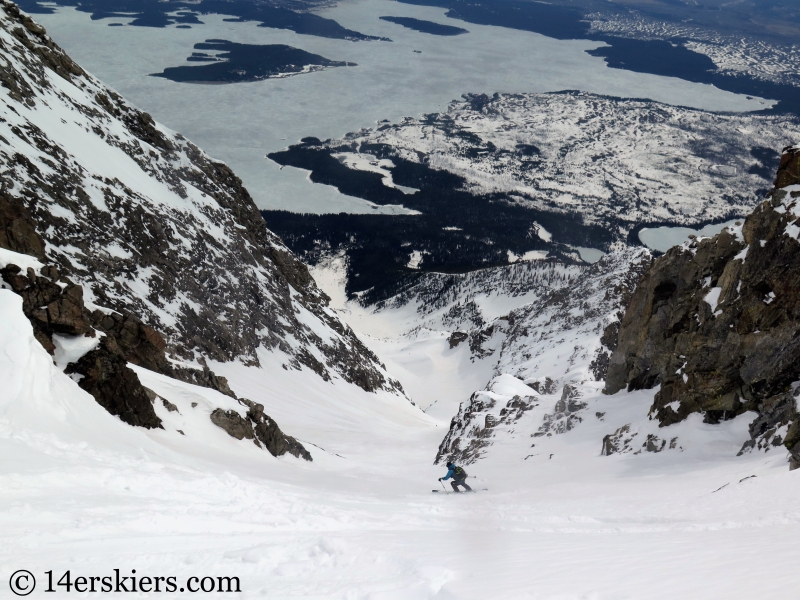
[85,492]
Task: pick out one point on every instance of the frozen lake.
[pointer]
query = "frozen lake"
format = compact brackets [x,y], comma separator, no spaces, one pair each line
[241,123]
[664,238]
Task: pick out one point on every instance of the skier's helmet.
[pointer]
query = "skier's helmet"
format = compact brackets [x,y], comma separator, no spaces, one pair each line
[449,464]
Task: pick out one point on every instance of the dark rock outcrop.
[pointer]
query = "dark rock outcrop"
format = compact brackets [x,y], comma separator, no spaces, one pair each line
[269,434]
[54,305]
[456,338]
[105,375]
[50,307]
[716,322]
[567,413]
[625,440]
[136,342]
[169,405]
[260,428]
[204,378]
[35,39]
[609,340]
[17,229]
[143,346]
[470,431]
[545,387]
[233,423]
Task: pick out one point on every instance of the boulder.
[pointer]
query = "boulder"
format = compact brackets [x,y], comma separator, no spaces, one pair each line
[50,307]
[106,376]
[456,338]
[138,343]
[260,428]
[269,434]
[233,423]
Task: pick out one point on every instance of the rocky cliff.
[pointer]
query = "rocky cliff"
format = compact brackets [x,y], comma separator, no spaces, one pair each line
[149,225]
[716,323]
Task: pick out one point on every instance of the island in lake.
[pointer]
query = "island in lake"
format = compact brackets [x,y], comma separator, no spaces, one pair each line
[229,62]
[425,26]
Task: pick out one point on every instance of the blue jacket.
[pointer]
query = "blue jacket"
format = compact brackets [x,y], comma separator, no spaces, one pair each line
[450,473]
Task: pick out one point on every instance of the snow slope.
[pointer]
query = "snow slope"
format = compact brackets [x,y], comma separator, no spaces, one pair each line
[411,331]
[84,492]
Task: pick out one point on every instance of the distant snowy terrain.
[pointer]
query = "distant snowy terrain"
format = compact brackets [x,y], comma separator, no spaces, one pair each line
[609,160]
[232,123]
[733,55]
[508,177]
[467,300]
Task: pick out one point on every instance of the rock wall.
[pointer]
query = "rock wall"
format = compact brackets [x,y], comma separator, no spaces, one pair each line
[716,323]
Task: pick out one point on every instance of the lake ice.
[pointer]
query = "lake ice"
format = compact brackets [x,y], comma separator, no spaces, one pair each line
[241,123]
[664,238]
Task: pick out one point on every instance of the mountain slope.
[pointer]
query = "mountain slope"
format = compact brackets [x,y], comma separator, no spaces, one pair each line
[151,226]
[553,351]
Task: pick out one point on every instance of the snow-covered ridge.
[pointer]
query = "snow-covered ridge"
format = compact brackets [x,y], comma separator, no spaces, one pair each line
[152,226]
[464,301]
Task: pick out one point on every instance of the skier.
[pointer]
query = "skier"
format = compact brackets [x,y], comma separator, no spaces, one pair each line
[459,476]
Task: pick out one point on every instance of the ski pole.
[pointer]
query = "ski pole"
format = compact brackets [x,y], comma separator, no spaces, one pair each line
[442,482]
